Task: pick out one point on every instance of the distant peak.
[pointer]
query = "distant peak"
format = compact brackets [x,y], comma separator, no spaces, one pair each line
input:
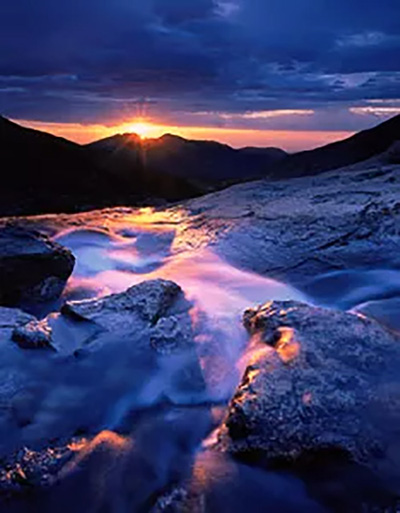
[129,135]
[172,137]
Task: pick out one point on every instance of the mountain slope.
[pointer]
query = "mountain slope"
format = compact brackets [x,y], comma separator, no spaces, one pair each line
[40,171]
[44,173]
[205,162]
[361,146]
[124,156]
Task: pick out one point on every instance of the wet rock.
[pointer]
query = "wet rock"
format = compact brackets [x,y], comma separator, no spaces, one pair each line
[28,469]
[32,267]
[317,379]
[141,305]
[151,315]
[302,227]
[34,335]
[172,333]
[10,318]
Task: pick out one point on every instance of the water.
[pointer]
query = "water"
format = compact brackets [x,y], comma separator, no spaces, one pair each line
[374,292]
[151,434]
[112,261]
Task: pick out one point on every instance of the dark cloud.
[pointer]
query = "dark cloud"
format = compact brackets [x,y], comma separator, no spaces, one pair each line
[199,60]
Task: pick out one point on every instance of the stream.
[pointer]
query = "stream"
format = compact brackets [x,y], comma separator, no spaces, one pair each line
[154,435]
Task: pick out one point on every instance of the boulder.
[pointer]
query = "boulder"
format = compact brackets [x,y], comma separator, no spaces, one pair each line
[317,380]
[147,301]
[172,333]
[33,269]
[152,315]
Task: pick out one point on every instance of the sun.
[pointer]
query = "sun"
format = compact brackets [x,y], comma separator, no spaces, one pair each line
[140,128]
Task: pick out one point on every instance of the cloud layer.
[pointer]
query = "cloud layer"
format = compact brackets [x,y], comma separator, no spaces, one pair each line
[284,64]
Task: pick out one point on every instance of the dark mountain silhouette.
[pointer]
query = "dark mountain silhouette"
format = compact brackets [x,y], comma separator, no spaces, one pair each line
[44,173]
[358,148]
[41,172]
[206,162]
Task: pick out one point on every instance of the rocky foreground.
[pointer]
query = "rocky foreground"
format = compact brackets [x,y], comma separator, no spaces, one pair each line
[320,386]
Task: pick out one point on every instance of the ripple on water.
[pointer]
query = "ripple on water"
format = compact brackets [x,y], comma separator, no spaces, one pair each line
[375,292]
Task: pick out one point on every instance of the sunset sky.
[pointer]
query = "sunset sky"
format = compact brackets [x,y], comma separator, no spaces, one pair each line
[289,73]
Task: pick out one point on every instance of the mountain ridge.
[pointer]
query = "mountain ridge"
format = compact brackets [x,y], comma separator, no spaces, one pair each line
[42,173]
[208,162]
[352,150]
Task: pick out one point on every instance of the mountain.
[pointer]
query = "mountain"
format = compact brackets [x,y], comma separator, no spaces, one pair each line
[43,173]
[205,162]
[358,148]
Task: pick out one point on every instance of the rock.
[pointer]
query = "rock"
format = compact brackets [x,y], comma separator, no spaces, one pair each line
[34,335]
[133,350]
[32,267]
[172,333]
[33,469]
[141,305]
[297,229]
[10,318]
[153,315]
[317,380]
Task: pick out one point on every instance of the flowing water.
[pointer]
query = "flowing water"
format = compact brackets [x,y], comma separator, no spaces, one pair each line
[153,435]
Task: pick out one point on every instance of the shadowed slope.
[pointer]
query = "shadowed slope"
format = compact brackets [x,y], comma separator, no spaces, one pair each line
[206,162]
[43,173]
[359,147]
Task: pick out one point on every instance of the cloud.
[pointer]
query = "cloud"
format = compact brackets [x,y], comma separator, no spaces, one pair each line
[267,114]
[244,59]
[376,111]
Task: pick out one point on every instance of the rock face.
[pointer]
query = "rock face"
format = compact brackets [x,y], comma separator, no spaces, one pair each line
[297,229]
[317,380]
[141,305]
[32,268]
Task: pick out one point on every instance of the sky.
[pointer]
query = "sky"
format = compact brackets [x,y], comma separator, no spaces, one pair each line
[290,73]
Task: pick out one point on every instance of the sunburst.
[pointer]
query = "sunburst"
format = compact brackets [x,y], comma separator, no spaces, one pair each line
[140,128]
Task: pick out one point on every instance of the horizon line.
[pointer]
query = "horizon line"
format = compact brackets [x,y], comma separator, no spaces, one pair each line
[292,141]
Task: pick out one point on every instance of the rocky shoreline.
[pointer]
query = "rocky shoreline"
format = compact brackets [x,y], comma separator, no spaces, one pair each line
[318,385]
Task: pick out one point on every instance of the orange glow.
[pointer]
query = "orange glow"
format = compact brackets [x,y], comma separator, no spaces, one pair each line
[288,348]
[112,441]
[236,137]
[142,129]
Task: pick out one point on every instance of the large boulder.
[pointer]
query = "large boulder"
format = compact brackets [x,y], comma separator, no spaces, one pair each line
[33,269]
[148,301]
[317,380]
[158,305]
[156,314]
